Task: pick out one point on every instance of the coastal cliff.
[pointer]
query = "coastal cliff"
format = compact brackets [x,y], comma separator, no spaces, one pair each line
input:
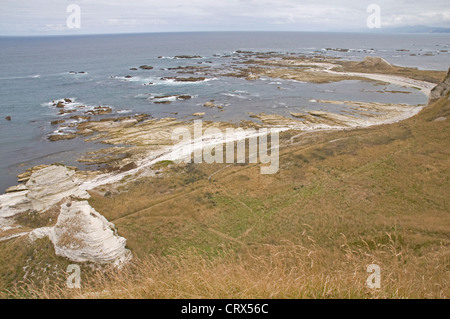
[440,90]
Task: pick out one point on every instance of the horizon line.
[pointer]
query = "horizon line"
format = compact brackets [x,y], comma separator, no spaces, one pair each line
[369,31]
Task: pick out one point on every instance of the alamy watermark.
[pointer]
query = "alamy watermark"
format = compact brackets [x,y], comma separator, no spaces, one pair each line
[207,146]
[374,279]
[74,279]
[374,19]
[73,21]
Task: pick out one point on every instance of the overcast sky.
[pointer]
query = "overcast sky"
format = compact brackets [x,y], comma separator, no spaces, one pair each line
[47,17]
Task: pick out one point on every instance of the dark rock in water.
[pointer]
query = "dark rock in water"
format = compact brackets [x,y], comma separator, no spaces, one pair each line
[57,137]
[80,117]
[66,111]
[128,77]
[184,97]
[146,67]
[67,100]
[8,118]
[162,102]
[188,57]
[82,72]
[56,122]
[60,104]
[189,79]
[337,49]
[133,69]
[440,90]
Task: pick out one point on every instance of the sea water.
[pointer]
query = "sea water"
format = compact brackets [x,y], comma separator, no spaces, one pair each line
[91,70]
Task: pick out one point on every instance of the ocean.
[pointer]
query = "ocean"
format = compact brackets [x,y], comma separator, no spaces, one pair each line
[92,70]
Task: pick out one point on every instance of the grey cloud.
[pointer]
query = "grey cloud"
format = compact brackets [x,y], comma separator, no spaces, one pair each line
[101,16]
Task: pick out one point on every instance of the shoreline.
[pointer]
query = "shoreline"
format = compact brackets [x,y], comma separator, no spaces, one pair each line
[340,123]
[149,143]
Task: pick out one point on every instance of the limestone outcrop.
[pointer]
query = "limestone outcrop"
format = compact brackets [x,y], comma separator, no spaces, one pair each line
[81,234]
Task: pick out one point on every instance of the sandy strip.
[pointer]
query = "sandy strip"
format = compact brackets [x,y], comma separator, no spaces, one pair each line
[425,87]
[175,152]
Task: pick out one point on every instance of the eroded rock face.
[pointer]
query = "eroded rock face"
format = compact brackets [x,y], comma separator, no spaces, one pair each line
[441,89]
[45,186]
[81,234]
[51,184]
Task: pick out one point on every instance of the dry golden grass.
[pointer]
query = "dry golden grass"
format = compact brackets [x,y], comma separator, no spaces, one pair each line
[276,271]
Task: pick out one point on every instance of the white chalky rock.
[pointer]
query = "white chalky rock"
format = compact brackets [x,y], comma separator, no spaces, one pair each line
[81,234]
[45,188]
[51,184]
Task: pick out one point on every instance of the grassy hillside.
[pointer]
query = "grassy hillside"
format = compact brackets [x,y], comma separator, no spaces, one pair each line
[340,202]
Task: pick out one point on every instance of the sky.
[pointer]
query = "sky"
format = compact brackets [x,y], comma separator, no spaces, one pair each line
[50,17]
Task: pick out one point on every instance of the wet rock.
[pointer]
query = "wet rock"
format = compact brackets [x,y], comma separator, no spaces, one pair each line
[8,118]
[80,117]
[62,112]
[162,102]
[67,100]
[337,49]
[252,76]
[211,104]
[56,122]
[184,97]
[188,79]
[60,104]
[188,57]
[59,137]
[146,67]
